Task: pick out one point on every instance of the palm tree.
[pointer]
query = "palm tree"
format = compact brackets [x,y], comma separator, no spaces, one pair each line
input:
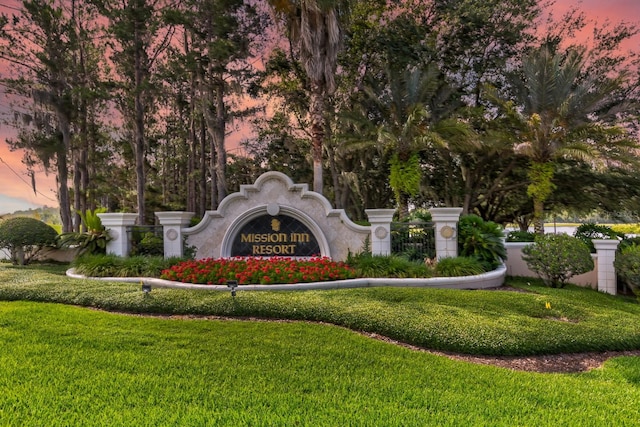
[409,117]
[559,110]
[314,26]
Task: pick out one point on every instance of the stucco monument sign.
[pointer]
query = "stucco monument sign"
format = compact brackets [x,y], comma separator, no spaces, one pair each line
[276,217]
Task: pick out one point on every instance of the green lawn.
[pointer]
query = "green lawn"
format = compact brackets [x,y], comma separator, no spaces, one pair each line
[66,365]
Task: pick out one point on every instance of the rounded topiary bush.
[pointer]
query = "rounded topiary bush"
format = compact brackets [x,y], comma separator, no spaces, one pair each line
[25,237]
[558,257]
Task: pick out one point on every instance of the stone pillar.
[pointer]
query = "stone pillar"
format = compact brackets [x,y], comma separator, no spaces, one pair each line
[606,250]
[116,224]
[380,220]
[445,222]
[172,224]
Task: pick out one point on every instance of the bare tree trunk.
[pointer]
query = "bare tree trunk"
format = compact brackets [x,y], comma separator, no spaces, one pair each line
[139,125]
[203,168]
[316,113]
[80,178]
[76,192]
[191,161]
[219,138]
[538,216]
[63,174]
[216,126]
[335,175]
[214,179]
[403,206]
[90,170]
[192,196]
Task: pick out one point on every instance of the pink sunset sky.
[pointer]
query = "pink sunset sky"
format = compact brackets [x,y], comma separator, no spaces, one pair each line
[16,192]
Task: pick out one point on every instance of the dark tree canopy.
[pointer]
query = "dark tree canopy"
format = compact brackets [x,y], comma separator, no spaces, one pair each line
[491,105]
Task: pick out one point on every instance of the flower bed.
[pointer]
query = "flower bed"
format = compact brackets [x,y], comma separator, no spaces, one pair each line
[253,271]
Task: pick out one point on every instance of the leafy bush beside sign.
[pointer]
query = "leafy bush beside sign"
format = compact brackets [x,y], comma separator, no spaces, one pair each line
[558,257]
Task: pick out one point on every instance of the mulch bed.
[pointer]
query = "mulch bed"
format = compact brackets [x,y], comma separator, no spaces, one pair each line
[552,363]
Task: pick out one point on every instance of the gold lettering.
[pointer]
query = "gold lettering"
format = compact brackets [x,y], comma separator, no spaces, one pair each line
[266,250]
[299,237]
[264,238]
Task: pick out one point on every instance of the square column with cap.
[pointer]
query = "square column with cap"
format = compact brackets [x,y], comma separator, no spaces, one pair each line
[116,225]
[445,222]
[380,220]
[172,224]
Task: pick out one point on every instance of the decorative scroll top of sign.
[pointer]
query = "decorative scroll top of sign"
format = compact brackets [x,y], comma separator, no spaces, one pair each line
[278,235]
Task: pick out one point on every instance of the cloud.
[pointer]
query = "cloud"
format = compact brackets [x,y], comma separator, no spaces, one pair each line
[12,204]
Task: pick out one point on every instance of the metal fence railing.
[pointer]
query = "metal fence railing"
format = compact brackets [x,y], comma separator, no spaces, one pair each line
[413,240]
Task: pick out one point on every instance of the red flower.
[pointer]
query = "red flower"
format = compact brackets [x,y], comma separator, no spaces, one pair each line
[253,270]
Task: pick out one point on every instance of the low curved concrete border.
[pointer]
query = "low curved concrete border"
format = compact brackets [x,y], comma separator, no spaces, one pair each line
[492,279]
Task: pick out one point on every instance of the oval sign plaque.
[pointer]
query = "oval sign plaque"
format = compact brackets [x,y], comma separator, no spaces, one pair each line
[278,235]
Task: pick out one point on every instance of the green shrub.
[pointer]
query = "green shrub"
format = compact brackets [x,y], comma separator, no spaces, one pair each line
[25,238]
[588,231]
[367,265]
[93,240]
[521,236]
[627,264]
[458,266]
[629,241]
[150,244]
[146,240]
[115,266]
[482,240]
[558,257]
[420,215]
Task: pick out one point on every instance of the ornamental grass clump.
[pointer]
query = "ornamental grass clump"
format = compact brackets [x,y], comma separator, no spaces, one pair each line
[110,265]
[458,266]
[253,271]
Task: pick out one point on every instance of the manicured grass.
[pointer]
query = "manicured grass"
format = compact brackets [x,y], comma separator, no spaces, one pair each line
[65,365]
[473,322]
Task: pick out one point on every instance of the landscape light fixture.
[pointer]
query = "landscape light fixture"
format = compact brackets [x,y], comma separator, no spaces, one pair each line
[146,288]
[232,284]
